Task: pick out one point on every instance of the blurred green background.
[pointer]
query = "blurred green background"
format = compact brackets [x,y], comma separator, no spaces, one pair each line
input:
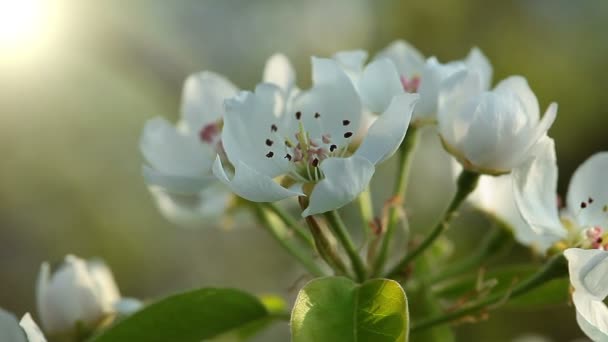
[72,108]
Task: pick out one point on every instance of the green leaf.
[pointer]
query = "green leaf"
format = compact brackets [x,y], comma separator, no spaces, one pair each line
[554,292]
[192,316]
[337,309]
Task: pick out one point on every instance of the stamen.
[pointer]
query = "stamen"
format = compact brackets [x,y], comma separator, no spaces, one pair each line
[209,132]
[298,115]
[317,115]
[269,142]
[270,154]
[326,138]
[348,134]
[332,148]
[288,156]
[590,200]
[274,128]
[315,162]
[583,205]
[345,122]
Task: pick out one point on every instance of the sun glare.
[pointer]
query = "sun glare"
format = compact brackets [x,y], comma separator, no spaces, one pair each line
[24,25]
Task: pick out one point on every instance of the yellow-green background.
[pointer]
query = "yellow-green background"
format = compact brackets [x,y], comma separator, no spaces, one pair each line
[71,117]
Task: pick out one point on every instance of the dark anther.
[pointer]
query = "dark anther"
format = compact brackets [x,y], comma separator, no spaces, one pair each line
[345,122]
[270,154]
[298,115]
[332,148]
[317,115]
[288,156]
[269,142]
[274,128]
[348,134]
[315,162]
[599,240]
[590,200]
[583,205]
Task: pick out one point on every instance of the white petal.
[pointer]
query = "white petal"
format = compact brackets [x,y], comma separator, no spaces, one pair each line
[379,84]
[352,60]
[105,285]
[31,329]
[408,60]
[334,97]
[9,328]
[43,296]
[494,194]
[180,185]
[588,271]
[477,61]
[456,93]
[590,180]
[433,76]
[252,185]
[193,210]
[203,100]
[592,317]
[172,153]
[127,306]
[529,144]
[248,124]
[517,88]
[345,179]
[535,189]
[386,134]
[279,71]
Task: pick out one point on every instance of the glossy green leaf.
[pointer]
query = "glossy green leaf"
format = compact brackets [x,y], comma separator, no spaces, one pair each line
[337,309]
[191,317]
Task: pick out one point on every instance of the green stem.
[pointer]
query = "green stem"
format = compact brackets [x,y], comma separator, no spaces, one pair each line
[492,243]
[291,222]
[281,236]
[339,229]
[367,211]
[405,160]
[467,181]
[556,267]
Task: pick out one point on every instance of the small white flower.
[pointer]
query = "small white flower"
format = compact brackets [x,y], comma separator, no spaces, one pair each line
[307,140]
[24,331]
[490,132]
[426,77]
[582,225]
[179,158]
[79,291]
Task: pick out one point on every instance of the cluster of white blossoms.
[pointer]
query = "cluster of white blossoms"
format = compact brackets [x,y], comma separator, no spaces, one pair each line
[324,143]
[75,300]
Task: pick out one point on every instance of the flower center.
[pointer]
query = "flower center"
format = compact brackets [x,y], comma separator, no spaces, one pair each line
[305,152]
[410,85]
[594,237]
[211,134]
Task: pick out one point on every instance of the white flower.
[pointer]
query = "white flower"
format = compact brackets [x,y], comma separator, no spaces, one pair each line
[582,224]
[426,77]
[494,131]
[307,140]
[179,158]
[24,331]
[79,291]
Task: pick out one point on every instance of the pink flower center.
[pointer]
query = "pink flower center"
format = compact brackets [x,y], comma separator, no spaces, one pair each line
[410,85]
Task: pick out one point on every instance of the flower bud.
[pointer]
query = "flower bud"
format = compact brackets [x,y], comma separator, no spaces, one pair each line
[79,292]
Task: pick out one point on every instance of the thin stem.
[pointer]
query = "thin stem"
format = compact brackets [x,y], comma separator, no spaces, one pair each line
[467,181]
[367,211]
[406,153]
[291,222]
[339,229]
[279,234]
[493,242]
[556,267]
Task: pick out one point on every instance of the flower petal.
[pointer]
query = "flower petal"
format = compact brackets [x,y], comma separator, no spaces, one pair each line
[252,119]
[334,98]
[408,60]
[478,62]
[172,153]
[203,99]
[387,132]
[9,328]
[31,329]
[352,60]
[535,189]
[279,71]
[252,185]
[517,88]
[588,271]
[379,84]
[592,316]
[190,210]
[345,179]
[590,181]
[104,284]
